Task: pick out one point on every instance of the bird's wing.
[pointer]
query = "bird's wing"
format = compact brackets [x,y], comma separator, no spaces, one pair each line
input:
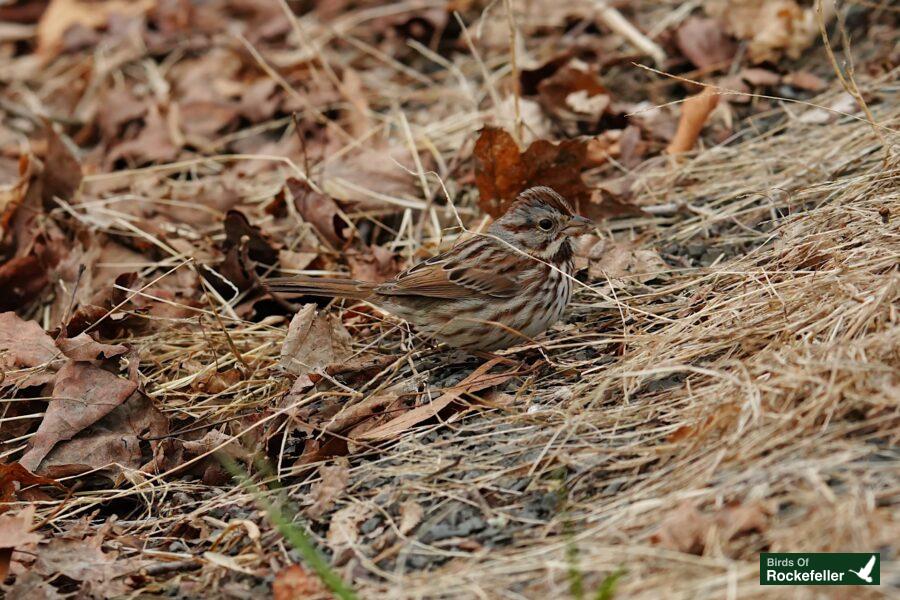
[471,268]
[868,568]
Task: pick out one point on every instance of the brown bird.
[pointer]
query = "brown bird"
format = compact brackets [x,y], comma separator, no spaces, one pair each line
[486,293]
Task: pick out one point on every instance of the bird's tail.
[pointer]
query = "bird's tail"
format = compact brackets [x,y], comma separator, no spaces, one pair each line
[321,286]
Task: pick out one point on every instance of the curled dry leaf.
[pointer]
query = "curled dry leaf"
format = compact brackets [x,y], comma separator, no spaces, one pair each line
[243,243]
[694,112]
[318,210]
[13,476]
[760,77]
[82,395]
[11,196]
[314,342]
[334,481]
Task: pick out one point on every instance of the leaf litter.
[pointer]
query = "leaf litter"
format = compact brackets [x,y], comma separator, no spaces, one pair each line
[734,340]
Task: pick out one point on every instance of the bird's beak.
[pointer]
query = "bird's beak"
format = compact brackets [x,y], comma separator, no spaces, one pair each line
[578,225]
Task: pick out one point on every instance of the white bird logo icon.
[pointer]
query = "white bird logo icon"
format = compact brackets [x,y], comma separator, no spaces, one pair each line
[865,572]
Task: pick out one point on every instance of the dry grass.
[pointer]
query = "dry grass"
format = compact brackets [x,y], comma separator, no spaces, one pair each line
[677,427]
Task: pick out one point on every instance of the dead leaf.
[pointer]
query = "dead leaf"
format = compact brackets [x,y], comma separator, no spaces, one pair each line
[205,118]
[844,103]
[623,260]
[530,79]
[227,562]
[379,166]
[694,112]
[12,474]
[804,80]
[63,14]
[478,380]
[33,586]
[334,481]
[318,210]
[23,345]
[115,439]
[295,582]
[21,279]
[686,529]
[62,171]
[502,172]
[154,144]
[295,261]
[82,394]
[683,530]
[411,513]
[85,348]
[704,43]
[12,196]
[376,265]
[120,106]
[85,561]
[574,92]
[314,342]
[771,27]
[760,77]
[243,243]
[15,532]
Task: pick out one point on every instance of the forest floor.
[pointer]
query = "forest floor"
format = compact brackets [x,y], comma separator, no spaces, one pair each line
[725,382]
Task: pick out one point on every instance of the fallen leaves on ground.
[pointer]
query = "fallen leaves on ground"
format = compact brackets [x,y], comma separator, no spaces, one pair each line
[84,560]
[704,43]
[15,532]
[620,261]
[13,477]
[82,394]
[85,348]
[23,345]
[63,14]
[113,441]
[772,27]
[294,582]
[314,341]
[688,530]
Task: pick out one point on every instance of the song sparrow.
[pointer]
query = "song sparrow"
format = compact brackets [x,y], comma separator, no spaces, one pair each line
[487,292]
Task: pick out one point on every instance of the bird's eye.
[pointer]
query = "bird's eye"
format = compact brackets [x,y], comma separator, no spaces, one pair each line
[545,224]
